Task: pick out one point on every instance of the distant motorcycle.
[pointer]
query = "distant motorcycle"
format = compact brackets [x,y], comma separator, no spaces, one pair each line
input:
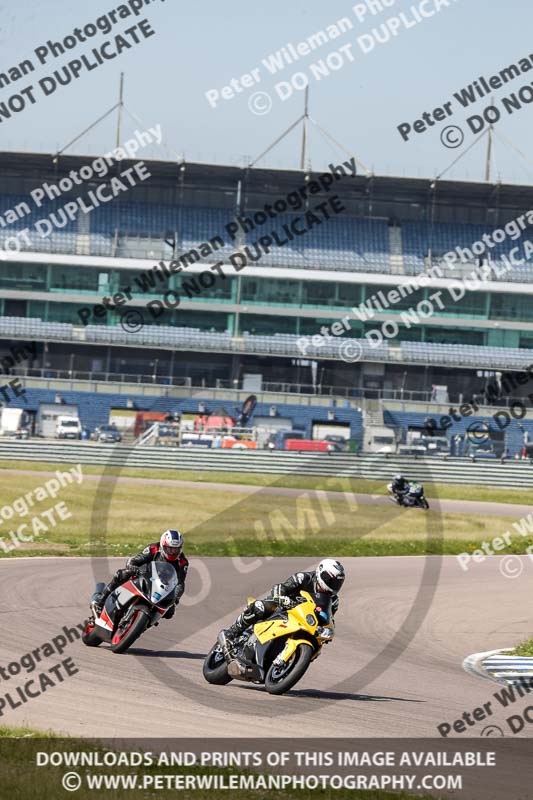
[413,498]
[132,608]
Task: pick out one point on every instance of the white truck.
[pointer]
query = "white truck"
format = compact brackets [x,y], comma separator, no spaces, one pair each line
[68,427]
[49,413]
[12,421]
[379,439]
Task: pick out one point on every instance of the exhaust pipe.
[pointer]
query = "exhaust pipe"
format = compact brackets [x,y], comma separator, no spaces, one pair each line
[236,669]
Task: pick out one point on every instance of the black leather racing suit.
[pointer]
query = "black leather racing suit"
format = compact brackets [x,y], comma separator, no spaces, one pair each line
[400,488]
[263,609]
[150,553]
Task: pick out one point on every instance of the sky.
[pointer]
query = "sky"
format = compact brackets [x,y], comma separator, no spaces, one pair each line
[376,83]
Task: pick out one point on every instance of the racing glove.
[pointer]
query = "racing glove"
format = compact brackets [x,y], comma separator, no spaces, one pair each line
[123,575]
[134,571]
[283,601]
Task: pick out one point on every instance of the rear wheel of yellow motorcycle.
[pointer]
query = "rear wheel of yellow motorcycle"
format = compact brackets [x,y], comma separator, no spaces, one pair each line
[215,669]
[279,679]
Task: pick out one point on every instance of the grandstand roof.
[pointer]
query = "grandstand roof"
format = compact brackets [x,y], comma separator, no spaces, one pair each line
[377,192]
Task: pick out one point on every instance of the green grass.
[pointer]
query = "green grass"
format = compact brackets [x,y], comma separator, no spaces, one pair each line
[486,494]
[524,649]
[347,547]
[24,733]
[118,518]
[248,548]
[19,774]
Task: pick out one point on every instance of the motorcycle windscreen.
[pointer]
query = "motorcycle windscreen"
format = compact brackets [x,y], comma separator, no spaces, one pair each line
[163,581]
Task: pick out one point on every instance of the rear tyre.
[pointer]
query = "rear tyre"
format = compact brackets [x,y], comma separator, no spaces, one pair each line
[280,679]
[89,637]
[125,636]
[215,667]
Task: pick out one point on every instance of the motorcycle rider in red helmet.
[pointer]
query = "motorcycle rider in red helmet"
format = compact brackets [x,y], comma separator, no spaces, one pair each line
[168,548]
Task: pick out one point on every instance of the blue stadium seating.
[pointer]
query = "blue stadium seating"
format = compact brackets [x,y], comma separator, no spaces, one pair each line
[60,240]
[196,339]
[419,237]
[337,244]
[138,230]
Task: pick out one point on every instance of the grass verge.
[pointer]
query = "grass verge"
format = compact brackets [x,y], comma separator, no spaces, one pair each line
[524,649]
[443,491]
[249,548]
[106,518]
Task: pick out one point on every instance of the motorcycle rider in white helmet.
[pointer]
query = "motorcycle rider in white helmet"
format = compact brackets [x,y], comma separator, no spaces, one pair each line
[327,579]
[168,548]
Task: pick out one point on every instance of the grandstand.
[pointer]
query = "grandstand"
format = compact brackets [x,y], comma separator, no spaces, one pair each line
[250,323]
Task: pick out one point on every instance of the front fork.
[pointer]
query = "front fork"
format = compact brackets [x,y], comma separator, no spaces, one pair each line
[291,645]
[124,619]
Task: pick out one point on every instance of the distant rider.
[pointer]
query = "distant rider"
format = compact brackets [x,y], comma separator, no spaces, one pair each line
[399,486]
[169,548]
[327,578]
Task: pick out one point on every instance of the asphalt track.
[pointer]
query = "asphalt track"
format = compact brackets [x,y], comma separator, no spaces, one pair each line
[394,669]
[450,506]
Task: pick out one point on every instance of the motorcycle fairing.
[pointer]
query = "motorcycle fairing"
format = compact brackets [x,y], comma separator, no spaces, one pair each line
[156,583]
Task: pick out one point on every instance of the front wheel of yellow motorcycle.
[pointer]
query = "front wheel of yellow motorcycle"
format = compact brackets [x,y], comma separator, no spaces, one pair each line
[282,677]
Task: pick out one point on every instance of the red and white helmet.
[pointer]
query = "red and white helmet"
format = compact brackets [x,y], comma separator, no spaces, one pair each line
[171,544]
[329,576]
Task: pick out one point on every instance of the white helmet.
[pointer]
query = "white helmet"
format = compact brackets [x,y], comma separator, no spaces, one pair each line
[329,576]
[171,544]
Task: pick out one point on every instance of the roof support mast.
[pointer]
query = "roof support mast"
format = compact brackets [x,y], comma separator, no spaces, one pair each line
[120,108]
[489,150]
[304,128]
[305,118]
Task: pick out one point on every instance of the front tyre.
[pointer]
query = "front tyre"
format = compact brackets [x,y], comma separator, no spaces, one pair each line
[280,679]
[127,634]
[89,637]
[425,504]
[215,667]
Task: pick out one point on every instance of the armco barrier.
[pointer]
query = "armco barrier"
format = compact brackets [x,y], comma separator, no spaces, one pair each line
[512,474]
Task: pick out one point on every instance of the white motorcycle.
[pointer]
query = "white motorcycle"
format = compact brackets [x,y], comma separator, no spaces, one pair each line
[136,605]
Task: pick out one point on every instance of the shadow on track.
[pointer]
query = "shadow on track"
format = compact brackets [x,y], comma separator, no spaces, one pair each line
[140,651]
[326,695]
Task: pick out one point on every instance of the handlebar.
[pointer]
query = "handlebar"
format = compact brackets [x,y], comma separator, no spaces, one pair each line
[294,601]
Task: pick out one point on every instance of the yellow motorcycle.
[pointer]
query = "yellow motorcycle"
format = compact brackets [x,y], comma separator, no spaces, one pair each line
[279,650]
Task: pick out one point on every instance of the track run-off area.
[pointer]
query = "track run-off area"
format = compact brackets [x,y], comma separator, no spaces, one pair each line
[440,505]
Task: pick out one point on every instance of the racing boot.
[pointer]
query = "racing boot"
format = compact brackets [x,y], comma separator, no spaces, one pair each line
[99,598]
[98,602]
[226,638]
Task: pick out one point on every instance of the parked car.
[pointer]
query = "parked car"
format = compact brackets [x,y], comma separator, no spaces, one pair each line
[68,427]
[106,433]
[339,442]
